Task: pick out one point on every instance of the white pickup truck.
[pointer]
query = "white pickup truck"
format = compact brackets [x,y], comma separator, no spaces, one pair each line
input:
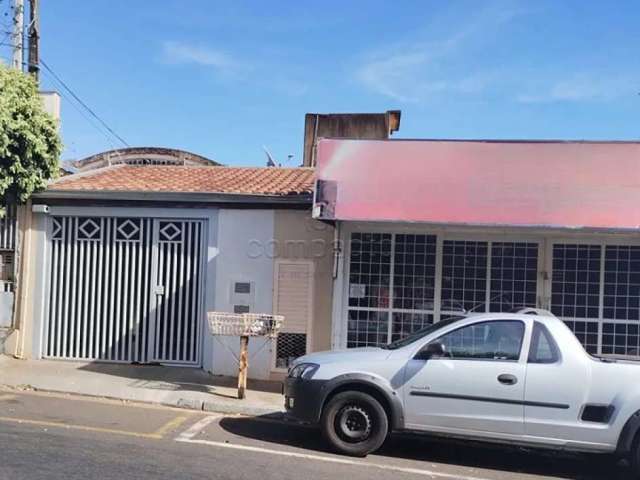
[503,377]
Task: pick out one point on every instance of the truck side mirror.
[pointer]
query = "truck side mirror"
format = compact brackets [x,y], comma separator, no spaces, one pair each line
[431,350]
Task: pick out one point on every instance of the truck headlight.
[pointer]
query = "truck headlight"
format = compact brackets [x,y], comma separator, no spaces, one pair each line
[303,370]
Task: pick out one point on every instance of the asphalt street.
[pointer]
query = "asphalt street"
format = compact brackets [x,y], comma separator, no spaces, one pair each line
[61,437]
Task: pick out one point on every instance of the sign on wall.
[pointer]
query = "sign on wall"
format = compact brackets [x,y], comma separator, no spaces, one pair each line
[551,184]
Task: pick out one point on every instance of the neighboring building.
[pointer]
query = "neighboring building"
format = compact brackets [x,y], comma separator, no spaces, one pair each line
[10,241]
[142,156]
[7,270]
[371,126]
[126,255]
[127,260]
[431,229]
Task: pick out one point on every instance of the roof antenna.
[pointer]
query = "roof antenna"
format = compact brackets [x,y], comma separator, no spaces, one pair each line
[271,162]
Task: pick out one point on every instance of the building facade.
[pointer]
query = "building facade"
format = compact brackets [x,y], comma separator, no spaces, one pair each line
[449,228]
[127,261]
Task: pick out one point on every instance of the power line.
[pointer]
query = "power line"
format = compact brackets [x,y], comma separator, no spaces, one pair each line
[4,39]
[3,42]
[86,107]
[84,115]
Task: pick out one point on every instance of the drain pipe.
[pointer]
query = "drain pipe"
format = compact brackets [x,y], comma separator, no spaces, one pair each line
[337,250]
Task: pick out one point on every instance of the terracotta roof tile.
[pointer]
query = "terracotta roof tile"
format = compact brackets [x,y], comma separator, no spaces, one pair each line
[240,180]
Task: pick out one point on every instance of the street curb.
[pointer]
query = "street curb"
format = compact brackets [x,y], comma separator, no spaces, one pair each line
[248,410]
[221,407]
[184,403]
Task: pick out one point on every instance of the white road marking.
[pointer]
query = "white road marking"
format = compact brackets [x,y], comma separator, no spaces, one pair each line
[188,437]
[196,428]
[343,461]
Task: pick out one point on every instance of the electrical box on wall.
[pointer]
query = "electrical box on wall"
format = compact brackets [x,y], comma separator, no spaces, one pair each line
[242,296]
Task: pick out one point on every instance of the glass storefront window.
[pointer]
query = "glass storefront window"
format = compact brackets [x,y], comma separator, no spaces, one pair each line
[595,288]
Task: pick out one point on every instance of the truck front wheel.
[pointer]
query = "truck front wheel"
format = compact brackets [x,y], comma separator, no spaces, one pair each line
[354,423]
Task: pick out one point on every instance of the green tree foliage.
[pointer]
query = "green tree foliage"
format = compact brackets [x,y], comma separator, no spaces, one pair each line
[29,142]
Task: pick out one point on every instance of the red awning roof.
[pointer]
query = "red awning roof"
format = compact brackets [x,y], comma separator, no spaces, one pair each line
[558,184]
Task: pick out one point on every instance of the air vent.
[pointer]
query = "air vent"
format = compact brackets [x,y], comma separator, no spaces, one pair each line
[289,347]
[597,413]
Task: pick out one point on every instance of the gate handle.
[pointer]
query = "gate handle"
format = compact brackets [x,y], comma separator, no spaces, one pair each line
[507,379]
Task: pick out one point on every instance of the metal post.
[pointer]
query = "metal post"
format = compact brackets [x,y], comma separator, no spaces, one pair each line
[243,366]
[34,39]
[18,34]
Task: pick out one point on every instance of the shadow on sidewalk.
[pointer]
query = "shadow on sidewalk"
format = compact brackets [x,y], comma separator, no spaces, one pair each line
[176,378]
[443,451]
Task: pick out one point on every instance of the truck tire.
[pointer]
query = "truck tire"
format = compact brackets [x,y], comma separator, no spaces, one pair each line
[354,423]
[634,457]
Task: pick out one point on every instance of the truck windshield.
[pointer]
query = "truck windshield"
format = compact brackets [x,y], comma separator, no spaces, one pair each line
[418,334]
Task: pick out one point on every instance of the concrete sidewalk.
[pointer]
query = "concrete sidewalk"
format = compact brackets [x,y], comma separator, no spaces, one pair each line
[173,386]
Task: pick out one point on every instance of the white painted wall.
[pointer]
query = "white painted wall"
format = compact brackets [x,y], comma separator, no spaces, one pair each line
[39,281]
[245,253]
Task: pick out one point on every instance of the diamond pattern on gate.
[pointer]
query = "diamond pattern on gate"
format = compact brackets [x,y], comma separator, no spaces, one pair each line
[57,231]
[128,230]
[88,229]
[169,232]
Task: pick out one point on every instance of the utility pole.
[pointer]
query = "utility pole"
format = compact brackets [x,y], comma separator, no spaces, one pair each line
[34,38]
[18,36]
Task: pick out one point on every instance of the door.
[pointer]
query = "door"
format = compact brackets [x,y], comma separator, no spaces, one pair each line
[477,386]
[177,278]
[106,277]
[555,413]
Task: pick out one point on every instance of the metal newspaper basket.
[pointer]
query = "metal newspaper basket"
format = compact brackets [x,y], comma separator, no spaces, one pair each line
[244,325]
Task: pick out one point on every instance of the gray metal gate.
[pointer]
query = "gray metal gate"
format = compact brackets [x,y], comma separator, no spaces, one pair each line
[125,290]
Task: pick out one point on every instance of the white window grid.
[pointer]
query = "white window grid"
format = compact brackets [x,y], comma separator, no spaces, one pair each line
[387,265]
[414,272]
[488,276]
[367,328]
[586,332]
[620,301]
[464,275]
[371,266]
[575,284]
[595,289]
[392,279]
[514,275]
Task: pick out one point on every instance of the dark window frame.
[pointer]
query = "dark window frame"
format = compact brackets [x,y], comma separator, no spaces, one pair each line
[538,330]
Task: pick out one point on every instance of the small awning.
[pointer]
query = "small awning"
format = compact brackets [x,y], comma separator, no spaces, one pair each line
[502,183]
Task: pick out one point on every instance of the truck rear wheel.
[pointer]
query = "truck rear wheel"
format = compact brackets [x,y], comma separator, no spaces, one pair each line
[634,458]
[354,423]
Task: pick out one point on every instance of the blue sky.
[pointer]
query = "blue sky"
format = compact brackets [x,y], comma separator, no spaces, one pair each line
[222,79]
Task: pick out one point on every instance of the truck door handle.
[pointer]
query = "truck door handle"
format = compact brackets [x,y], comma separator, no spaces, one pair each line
[507,379]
